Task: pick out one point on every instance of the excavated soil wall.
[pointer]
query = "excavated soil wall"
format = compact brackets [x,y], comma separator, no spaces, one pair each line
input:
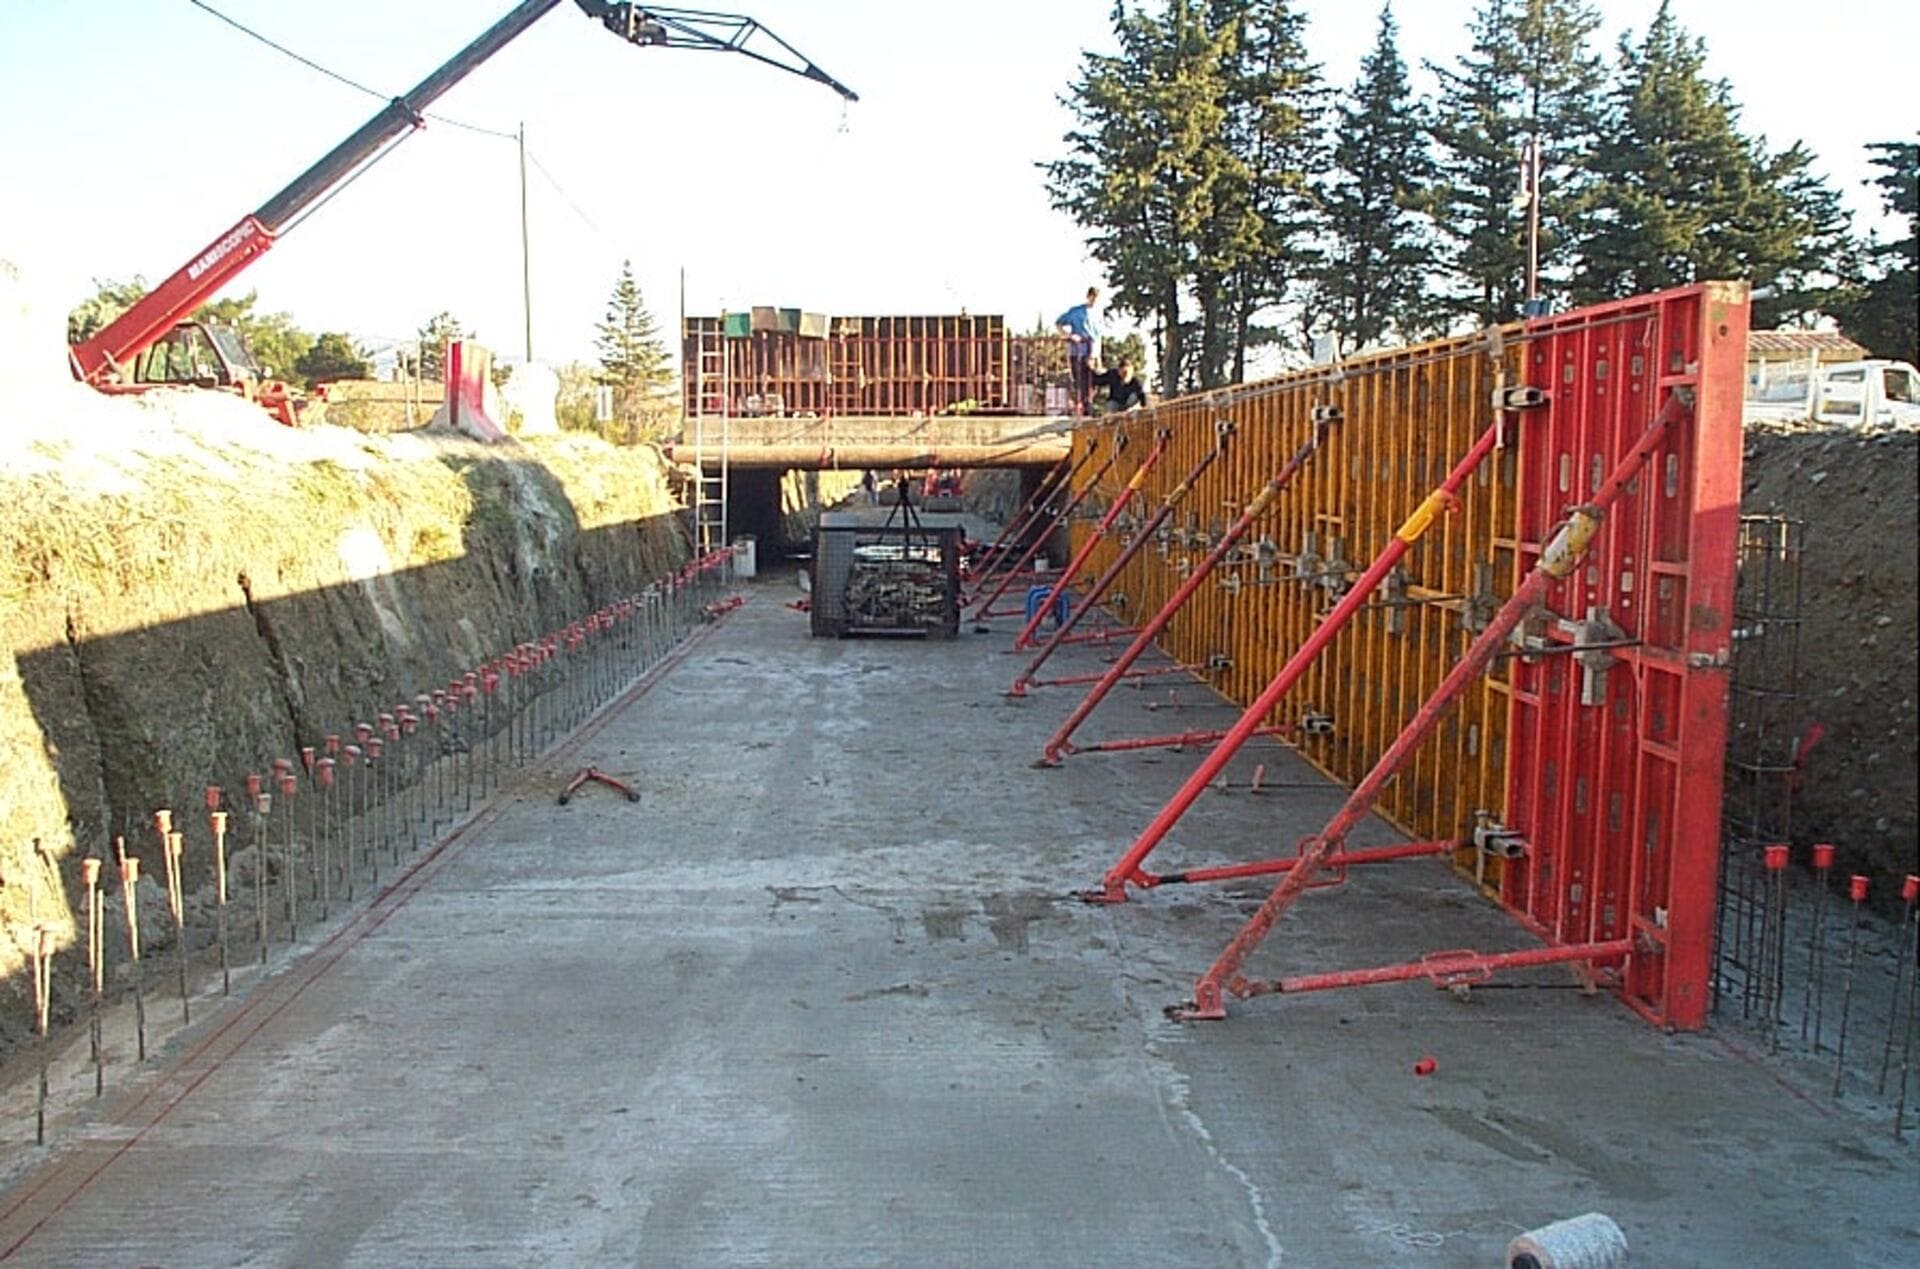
[1859,653]
[188,591]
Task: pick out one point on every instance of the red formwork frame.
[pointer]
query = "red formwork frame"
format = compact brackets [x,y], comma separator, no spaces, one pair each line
[1102,584]
[1057,745]
[1065,513]
[1629,517]
[1035,512]
[1024,639]
[1615,760]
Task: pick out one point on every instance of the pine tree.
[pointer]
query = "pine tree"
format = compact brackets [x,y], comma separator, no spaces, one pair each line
[1671,170]
[1374,280]
[1143,161]
[632,358]
[440,330]
[1880,306]
[1267,215]
[1529,74]
[1681,195]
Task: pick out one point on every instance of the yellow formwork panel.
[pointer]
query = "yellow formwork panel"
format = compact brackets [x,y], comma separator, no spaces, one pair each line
[1406,417]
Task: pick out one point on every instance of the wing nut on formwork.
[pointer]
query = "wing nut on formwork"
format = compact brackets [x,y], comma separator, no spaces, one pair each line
[1266,553]
[1525,397]
[1496,840]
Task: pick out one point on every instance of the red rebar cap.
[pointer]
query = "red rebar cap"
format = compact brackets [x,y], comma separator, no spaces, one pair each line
[163,820]
[350,755]
[1823,854]
[90,871]
[1857,888]
[1776,857]
[391,731]
[287,783]
[213,797]
[1910,888]
[361,731]
[1425,1066]
[306,757]
[373,746]
[433,713]
[386,720]
[253,785]
[324,771]
[489,682]
[219,821]
[333,744]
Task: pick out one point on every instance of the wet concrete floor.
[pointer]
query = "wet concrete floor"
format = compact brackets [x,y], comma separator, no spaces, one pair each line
[820,999]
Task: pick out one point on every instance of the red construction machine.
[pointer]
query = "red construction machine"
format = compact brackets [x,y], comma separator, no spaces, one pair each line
[155,343]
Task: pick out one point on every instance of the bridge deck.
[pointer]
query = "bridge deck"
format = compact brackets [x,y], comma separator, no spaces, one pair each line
[884,442]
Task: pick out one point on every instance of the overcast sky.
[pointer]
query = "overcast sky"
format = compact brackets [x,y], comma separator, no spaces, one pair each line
[134,131]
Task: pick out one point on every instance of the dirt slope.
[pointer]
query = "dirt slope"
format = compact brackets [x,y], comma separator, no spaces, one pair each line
[188,590]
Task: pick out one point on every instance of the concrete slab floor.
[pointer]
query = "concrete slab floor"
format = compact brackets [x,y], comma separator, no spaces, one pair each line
[819,999]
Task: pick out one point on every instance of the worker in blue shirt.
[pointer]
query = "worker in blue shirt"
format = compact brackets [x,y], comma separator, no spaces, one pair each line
[1083,340]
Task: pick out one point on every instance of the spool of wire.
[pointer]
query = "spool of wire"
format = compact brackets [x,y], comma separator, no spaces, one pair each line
[1591,1241]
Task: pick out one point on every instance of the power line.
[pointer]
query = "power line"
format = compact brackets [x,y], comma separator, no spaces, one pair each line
[354,84]
[568,198]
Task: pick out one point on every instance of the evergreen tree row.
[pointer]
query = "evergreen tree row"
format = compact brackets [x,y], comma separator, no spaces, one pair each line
[1235,199]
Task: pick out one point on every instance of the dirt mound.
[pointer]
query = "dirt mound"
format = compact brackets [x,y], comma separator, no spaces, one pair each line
[1859,679]
[188,590]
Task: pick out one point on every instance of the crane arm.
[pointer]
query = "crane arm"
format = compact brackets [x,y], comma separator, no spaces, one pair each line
[704,30]
[210,269]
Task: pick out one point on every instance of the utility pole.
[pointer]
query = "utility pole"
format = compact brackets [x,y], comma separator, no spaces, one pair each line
[526,262]
[1533,307]
[1530,162]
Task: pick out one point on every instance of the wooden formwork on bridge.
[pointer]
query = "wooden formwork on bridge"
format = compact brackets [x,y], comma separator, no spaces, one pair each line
[870,366]
[1579,779]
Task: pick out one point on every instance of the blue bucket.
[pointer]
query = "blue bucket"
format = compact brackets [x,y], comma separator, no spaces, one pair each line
[1062,605]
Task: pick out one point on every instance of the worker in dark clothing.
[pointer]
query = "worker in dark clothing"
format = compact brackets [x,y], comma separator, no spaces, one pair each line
[1124,391]
[1083,341]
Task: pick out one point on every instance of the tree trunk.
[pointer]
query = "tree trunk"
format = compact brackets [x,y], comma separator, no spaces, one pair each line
[1206,295]
[1171,341]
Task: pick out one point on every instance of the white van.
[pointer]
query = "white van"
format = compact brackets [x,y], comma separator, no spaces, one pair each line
[1877,393]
